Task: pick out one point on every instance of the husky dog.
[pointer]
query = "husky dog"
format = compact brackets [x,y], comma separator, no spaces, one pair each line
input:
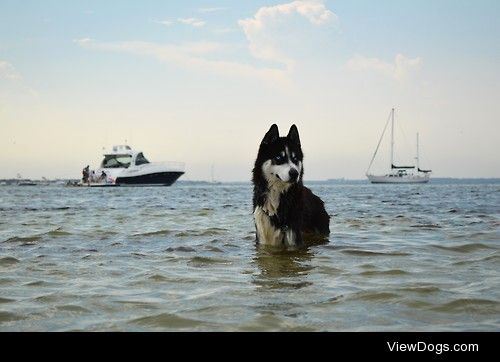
[284,209]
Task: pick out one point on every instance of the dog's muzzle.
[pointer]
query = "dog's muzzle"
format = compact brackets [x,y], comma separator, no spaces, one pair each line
[294,175]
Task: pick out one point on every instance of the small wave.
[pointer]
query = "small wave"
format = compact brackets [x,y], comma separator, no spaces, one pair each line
[203,212]
[277,284]
[424,289]
[37,283]
[493,257]
[155,233]
[214,249]
[324,269]
[467,305]
[23,239]
[10,317]
[358,252]
[138,304]
[185,249]
[57,232]
[335,299]
[426,226]
[47,298]
[167,320]
[6,281]
[37,208]
[104,232]
[201,261]
[207,232]
[214,231]
[72,308]
[464,248]
[483,236]
[375,296]
[8,261]
[158,278]
[391,272]
[6,300]
[32,239]
[229,245]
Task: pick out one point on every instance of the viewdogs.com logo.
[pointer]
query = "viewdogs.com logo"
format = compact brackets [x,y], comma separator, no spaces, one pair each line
[437,348]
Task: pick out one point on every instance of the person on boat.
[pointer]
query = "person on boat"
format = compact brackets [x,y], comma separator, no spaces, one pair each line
[103,177]
[85,174]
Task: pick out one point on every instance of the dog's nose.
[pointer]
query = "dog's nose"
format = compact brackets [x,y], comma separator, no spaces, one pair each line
[294,174]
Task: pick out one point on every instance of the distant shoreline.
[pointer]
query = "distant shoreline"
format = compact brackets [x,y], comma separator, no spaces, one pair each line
[340,181]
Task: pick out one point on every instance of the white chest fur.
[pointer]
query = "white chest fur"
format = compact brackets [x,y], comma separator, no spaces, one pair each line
[267,234]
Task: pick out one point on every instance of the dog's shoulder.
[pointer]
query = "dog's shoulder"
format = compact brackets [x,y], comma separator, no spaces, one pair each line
[315,218]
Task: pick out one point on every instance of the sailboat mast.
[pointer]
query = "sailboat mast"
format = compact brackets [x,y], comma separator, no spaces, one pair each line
[392,138]
[418,164]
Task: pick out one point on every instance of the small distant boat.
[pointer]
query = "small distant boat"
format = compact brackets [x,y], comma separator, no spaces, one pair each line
[124,166]
[398,174]
[26,183]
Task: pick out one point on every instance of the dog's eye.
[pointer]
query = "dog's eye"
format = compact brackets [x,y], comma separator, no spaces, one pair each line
[295,159]
[278,158]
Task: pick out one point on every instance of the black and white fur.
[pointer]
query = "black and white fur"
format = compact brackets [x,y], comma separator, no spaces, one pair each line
[284,209]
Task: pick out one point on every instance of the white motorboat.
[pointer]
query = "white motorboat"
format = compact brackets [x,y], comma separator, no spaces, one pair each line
[124,166]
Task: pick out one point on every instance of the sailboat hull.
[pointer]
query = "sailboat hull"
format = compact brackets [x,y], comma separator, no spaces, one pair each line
[395,179]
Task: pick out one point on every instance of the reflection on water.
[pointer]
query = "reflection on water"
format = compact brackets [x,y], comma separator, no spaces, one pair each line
[282,268]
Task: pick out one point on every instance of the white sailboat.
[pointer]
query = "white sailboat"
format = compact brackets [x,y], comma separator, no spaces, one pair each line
[398,174]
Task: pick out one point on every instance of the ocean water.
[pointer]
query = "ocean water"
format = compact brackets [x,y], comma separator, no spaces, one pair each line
[183,258]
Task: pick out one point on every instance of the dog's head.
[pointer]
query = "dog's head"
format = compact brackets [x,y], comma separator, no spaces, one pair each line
[280,158]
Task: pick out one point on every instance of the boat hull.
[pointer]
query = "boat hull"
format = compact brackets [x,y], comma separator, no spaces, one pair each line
[150,179]
[410,179]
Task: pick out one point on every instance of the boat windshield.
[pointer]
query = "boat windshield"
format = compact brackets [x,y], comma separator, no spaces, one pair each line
[140,159]
[116,161]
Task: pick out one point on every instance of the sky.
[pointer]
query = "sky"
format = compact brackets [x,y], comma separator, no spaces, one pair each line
[201,82]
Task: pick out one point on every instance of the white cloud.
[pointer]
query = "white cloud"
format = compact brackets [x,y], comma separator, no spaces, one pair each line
[211,10]
[192,21]
[399,69]
[164,22]
[191,56]
[14,85]
[224,30]
[7,71]
[201,47]
[82,41]
[256,30]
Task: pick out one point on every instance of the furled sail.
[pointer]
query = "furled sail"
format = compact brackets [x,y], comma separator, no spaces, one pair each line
[393,167]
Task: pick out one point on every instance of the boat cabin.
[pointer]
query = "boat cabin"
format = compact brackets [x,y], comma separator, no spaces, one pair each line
[123,156]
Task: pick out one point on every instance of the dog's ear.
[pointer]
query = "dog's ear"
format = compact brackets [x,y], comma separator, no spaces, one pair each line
[271,135]
[293,135]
